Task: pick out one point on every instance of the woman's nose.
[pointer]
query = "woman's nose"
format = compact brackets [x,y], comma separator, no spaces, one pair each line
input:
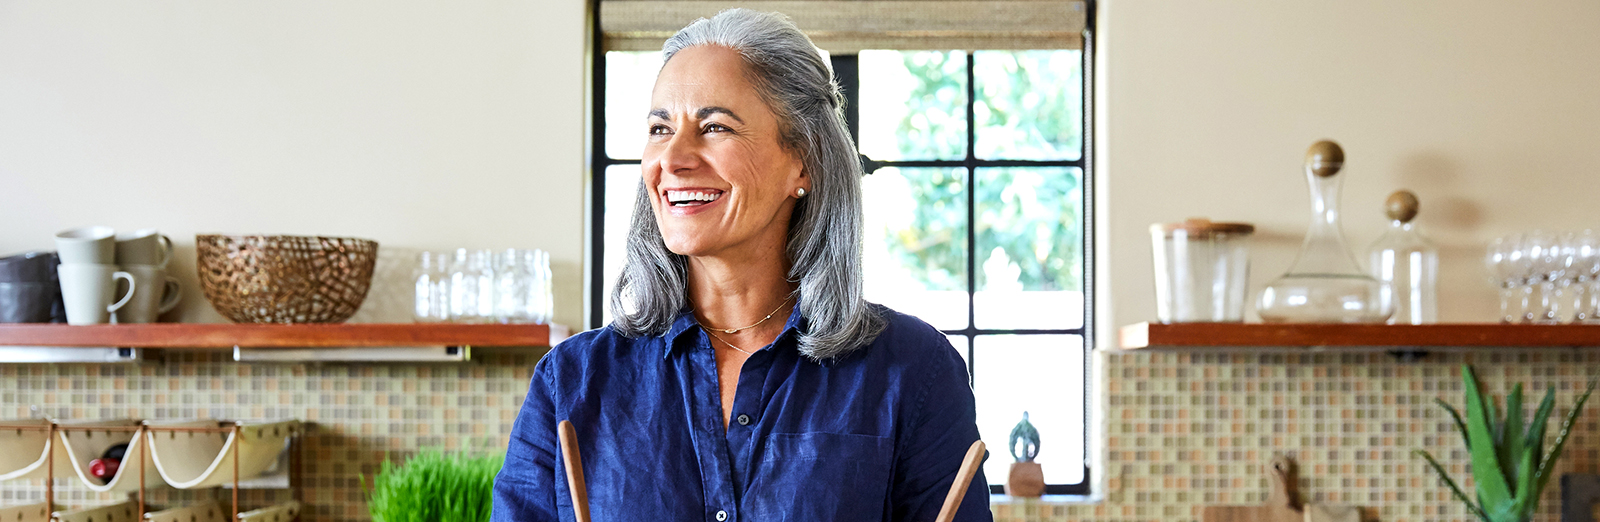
[681,153]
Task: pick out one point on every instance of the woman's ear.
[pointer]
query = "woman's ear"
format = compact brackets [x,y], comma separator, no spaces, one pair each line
[804,185]
[802,178]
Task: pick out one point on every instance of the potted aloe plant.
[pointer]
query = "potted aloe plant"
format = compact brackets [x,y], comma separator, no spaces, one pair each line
[1509,464]
[435,487]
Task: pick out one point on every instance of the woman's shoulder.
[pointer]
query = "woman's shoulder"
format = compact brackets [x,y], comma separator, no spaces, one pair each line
[907,338]
[901,325]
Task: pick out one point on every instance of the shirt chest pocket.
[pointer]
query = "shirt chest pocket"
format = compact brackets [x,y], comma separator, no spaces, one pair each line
[821,476]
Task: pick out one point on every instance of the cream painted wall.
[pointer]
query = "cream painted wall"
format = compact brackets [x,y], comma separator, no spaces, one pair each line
[426,125]
[1489,112]
[423,125]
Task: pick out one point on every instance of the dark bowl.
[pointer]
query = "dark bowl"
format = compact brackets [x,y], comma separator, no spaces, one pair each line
[29,267]
[31,303]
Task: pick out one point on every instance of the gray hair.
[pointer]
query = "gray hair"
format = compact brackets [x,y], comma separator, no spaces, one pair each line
[824,245]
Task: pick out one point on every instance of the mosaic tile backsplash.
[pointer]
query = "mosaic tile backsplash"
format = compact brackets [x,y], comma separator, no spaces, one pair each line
[360,414]
[1182,430]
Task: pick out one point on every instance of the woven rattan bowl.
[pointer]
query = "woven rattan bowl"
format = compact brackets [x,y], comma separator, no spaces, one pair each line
[285,279]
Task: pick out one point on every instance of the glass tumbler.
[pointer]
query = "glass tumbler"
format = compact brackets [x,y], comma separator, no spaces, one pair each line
[471,287]
[510,284]
[432,293]
[1202,270]
[539,307]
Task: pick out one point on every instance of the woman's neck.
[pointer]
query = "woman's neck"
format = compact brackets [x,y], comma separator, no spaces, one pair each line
[737,292]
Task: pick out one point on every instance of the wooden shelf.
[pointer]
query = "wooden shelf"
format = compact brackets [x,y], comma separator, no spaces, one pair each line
[211,336]
[1147,336]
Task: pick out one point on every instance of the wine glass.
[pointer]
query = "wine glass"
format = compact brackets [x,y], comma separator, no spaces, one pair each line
[1585,274]
[1504,259]
[1545,267]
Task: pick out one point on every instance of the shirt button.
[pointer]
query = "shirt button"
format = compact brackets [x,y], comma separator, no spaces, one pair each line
[722,515]
[744,420]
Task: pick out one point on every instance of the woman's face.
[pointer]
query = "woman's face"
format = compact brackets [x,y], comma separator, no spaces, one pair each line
[715,169]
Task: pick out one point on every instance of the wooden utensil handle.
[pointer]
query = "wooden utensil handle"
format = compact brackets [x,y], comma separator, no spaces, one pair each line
[574,467]
[958,489]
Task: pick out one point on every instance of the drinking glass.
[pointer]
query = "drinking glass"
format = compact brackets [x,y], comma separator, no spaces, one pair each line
[432,301]
[510,280]
[471,292]
[1505,268]
[1586,276]
[1539,248]
[541,296]
[484,260]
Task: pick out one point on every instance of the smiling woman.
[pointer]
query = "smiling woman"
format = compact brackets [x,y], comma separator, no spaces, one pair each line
[695,404]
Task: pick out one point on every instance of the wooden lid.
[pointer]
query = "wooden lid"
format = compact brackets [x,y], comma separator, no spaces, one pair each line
[1203,227]
[1401,206]
[1325,158]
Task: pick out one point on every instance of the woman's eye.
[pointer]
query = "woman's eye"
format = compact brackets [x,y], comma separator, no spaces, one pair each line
[716,127]
[659,130]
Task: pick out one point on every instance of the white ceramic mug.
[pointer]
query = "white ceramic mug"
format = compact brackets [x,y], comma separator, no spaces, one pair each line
[90,292]
[144,247]
[87,246]
[158,294]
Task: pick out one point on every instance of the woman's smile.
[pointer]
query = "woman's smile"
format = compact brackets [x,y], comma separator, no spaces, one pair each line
[690,201]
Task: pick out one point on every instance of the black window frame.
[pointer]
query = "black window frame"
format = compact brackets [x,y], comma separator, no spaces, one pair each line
[846,73]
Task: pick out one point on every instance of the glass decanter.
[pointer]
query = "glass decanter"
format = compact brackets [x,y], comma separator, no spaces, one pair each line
[1407,264]
[1325,284]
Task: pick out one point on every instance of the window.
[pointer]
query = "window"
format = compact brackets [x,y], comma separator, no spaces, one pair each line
[977,219]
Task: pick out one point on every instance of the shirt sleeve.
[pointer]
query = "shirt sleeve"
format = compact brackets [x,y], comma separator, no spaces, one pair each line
[525,489]
[936,441]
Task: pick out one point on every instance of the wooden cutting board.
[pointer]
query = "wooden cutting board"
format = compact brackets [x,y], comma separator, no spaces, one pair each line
[1327,513]
[1282,506]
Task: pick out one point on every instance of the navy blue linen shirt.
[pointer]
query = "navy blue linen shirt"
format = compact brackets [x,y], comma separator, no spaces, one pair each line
[877,434]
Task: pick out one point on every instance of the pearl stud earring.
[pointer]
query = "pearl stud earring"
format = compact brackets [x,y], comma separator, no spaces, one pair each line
[800,192]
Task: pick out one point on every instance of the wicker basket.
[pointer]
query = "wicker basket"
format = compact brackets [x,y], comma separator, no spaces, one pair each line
[285,279]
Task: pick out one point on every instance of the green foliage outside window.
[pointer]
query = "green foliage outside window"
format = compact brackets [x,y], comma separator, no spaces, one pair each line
[1029,219]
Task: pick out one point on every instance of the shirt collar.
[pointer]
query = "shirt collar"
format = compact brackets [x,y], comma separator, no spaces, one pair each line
[686,323]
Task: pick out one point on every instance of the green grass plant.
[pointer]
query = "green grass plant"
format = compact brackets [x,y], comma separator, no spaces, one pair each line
[1510,466]
[435,487]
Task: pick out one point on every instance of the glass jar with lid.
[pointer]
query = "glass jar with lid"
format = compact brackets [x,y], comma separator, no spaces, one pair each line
[1202,269]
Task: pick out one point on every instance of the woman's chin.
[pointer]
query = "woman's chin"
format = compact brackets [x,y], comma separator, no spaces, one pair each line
[687,246]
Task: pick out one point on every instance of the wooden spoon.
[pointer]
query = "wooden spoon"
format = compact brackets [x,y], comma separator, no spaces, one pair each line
[958,490]
[574,466]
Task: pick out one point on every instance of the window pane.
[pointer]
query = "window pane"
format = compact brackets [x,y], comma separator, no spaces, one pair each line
[630,76]
[913,105]
[622,186]
[1041,375]
[961,344]
[1030,104]
[916,243]
[1029,248]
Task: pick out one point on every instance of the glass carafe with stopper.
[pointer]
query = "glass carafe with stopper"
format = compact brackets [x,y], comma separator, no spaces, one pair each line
[1406,263]
[1325,284]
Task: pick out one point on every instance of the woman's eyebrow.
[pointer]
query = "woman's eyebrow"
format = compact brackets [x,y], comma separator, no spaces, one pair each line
[707,111]
[699,115]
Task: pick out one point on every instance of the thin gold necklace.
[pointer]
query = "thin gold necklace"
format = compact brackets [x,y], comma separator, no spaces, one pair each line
[730,345]
[731,331]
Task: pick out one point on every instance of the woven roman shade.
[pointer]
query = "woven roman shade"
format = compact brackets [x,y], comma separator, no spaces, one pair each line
[848,26]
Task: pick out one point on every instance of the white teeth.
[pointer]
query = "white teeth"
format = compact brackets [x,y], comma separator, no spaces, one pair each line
[684,196]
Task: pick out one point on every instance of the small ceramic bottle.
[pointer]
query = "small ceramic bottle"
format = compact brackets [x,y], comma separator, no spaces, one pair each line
[1407,264]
